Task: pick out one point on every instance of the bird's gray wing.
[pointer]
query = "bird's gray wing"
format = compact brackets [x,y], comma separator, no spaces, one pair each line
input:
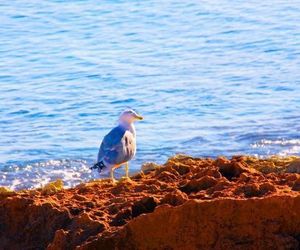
[111,146]
[128,149]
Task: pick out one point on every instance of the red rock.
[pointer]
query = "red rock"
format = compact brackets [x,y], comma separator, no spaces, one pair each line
[197,185]
[296,186]
[145,205]
[174,199]
[79,197]
[207,172]
[60,240]
[251,190]
[218,224]
[166,176]
[294,167]
[266,188]
[188,203]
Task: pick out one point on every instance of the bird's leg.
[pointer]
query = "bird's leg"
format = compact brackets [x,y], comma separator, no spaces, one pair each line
[112,174]
[127,171]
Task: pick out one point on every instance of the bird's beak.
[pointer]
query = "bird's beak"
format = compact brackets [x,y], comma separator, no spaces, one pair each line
[139,117]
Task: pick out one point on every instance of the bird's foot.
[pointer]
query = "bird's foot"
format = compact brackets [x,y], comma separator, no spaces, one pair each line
[114,181]
[126,178]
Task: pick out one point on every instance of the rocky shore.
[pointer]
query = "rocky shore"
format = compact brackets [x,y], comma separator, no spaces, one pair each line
[187,203]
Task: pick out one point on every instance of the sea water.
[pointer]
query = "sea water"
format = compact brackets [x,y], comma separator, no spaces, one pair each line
[210,77]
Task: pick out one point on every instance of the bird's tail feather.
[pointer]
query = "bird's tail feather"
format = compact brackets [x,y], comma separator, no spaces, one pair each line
[99,166]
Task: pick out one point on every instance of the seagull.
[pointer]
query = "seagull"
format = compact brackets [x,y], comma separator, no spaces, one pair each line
[119,145]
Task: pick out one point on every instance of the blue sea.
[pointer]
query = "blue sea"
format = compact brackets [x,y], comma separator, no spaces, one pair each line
[210,77]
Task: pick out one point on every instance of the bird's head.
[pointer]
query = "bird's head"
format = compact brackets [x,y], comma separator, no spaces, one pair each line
[129,116]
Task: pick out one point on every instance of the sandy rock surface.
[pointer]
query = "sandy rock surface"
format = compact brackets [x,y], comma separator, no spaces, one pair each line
[187,203]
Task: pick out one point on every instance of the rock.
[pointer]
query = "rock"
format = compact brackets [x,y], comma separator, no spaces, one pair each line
[296,186]
[60,240]
[251,190]
[267,188]
[222,162]
[197,185]
[34,192]
[89,204]
[53,187]
[245,177]
[294,167]
[187,203]
[4,191]
[79,197]
[145,205]
[175,199]
[29,225]
[181,168]
[122,217]
[219,224]
[84,188]
[149,166]
[166,176]
[167,168]
[222,184]
[206,172]
[232,169]
[75,210]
